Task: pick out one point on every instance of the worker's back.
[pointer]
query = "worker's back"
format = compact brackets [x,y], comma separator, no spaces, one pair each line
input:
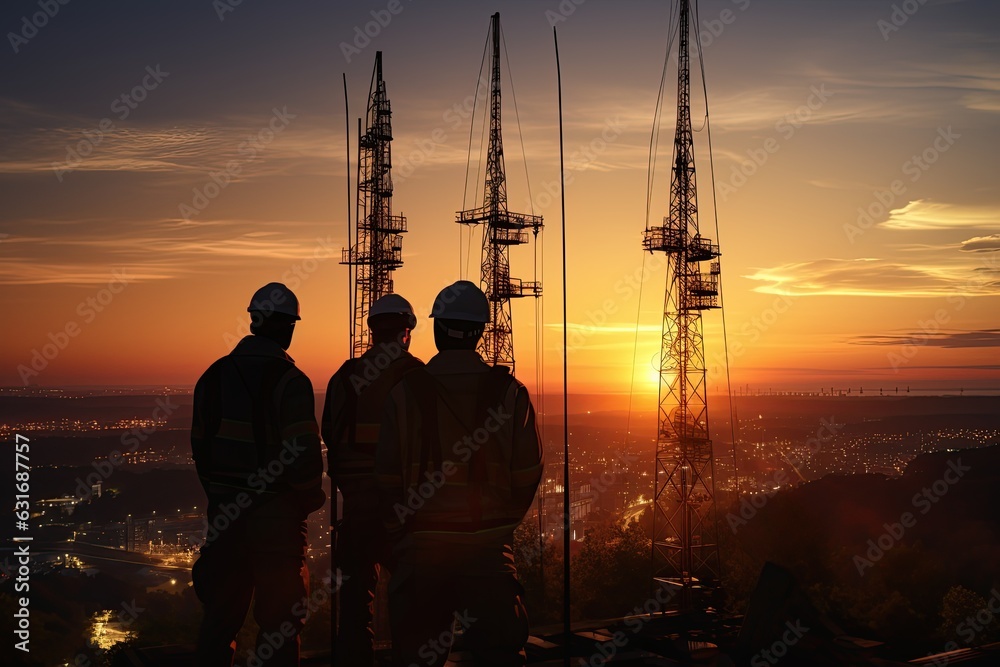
[460,465]
[355,401]
[248,407]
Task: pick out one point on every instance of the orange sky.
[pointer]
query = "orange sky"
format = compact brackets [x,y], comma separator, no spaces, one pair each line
[818,110]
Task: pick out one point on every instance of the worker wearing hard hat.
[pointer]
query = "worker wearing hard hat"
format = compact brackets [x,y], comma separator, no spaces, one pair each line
[458,464]
[256,447]
[355,400]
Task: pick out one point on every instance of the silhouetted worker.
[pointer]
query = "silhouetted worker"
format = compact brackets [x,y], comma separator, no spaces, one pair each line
[355,401]
[256,446]
[458,464]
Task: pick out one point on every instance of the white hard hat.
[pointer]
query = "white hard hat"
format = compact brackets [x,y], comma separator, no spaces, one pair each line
[274,298]
[462,300]
[393,304]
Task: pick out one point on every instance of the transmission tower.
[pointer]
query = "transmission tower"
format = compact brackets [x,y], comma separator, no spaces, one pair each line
[378,249]
[503,229]
[685,532]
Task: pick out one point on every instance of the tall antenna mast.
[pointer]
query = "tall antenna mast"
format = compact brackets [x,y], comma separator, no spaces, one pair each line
[503,229]
[685,532]
[378,249]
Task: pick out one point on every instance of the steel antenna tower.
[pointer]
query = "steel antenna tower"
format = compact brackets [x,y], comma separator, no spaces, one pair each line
[685,532]
[378,250]
[503,229]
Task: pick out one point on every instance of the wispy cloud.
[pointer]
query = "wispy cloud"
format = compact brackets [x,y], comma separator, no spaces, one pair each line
[84,252]
[873,277]
[927,214]
[609,328]
[839,184]
[39,141]
[945,339]
[21,271]
[983,101]
[968,367]
[989,243]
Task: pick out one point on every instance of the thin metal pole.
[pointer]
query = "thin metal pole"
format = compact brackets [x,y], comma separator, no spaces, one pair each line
[354,266]
[566,494]
[350,285]
[335,578]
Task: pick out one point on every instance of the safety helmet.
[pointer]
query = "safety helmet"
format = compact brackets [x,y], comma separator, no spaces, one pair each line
[274,298]
[393,304]
[462,300]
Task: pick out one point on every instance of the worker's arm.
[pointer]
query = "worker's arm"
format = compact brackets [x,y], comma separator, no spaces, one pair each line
[300,442]
[526,452]
[335,419]
[389,467]
[204,423]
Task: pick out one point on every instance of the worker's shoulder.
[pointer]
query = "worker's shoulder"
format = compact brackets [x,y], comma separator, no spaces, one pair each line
[292,377]
[390,361]
[449,379]
[417,374]
[514,382]
[405,362]
[513,391]
[414,378]
[345,368]
[376,368]
[513,388]
[277,371]
[213,371]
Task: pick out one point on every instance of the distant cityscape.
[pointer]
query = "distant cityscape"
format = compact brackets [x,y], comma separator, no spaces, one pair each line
[114,488]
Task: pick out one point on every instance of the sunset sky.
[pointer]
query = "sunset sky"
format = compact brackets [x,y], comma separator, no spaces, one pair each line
[855,157]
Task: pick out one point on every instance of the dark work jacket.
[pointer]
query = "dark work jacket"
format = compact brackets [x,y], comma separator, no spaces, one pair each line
[355,400]
[254,428]
[458,464]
